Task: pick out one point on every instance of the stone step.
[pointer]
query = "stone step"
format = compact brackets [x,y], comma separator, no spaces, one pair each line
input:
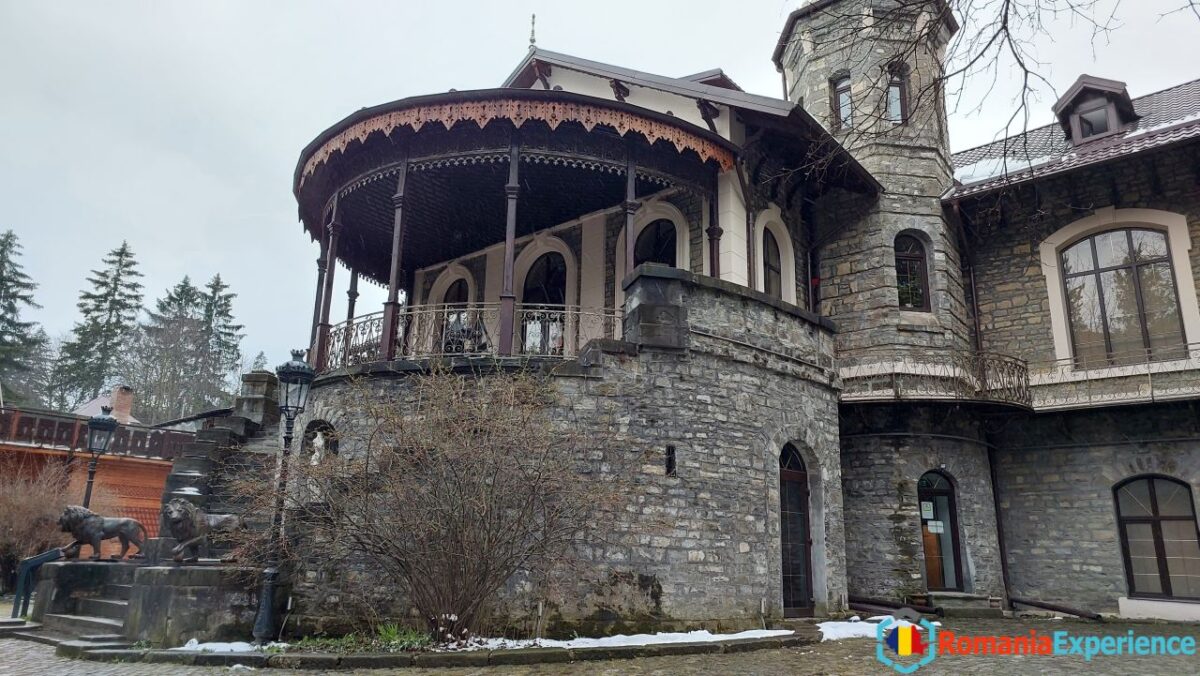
[39,636]
[110,608]
[77,648]
[121,592]
[101,638]
[11,622]
[78,625]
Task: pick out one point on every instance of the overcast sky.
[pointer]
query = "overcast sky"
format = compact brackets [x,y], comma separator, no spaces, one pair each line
[176,125]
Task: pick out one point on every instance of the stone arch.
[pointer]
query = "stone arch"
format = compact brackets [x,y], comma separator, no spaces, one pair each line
[650,212]
[771,219]
[1109,218]
[453,272]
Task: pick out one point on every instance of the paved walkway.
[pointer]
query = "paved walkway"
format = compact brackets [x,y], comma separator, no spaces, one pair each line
[856,656]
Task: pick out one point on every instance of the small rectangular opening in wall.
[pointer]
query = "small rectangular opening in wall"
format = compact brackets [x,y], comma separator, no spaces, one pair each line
[670,461]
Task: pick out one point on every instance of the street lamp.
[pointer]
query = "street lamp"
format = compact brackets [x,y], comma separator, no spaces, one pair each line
[295,377]
[100,433]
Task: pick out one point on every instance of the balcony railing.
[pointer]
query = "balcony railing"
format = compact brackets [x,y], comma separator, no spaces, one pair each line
[65,432]
[935,376]
[470,330]
[1129,377]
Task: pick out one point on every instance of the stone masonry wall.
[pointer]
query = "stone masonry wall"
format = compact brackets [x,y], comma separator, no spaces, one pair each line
[700,548]
[885,450]
[1056,474]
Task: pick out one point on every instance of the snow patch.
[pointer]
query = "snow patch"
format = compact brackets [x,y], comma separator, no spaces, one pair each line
[700,636]
[993,167]
[231,647]
[188,490]
[855,628]
[1170,123]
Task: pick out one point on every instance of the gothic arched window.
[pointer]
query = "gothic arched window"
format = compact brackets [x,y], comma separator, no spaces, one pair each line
[843,105]
[1121,298]
[772,266]
[656,244]
[912,275]
[1159,541]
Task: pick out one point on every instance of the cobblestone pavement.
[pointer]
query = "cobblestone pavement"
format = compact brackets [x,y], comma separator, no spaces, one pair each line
[19,658]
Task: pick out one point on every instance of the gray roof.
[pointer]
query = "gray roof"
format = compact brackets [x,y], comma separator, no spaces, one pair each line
[1165,117]
[672,85]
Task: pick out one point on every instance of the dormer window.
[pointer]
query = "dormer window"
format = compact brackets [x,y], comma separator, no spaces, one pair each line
[1092,119]
[1093,108]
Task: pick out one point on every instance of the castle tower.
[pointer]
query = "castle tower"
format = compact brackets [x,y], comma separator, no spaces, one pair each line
[870,71]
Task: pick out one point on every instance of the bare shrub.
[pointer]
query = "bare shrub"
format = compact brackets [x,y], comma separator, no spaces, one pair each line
[33,494]
[447,490]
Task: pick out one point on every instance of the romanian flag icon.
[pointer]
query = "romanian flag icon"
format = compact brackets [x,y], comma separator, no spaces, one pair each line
[906,640]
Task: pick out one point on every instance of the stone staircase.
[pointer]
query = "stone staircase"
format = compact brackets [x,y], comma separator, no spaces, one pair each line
[96,623]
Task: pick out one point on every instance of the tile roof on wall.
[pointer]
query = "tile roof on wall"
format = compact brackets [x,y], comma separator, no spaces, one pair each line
[1168,116]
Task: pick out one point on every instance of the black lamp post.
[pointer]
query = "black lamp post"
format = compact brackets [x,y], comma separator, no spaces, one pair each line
[100,434]
[295,377]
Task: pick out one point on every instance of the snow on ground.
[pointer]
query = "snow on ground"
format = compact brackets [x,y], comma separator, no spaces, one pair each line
[233,647]
[856,628]
[700,636]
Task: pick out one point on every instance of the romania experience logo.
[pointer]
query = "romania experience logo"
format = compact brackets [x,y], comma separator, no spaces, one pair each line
[899,642]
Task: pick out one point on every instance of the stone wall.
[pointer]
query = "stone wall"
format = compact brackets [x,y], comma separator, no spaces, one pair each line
[1056,474]
[700,548]
[885,450]
[1014,307]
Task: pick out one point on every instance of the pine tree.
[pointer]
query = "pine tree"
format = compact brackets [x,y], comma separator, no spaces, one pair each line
[223,338]
[164,360]
[109,310]
[20,341]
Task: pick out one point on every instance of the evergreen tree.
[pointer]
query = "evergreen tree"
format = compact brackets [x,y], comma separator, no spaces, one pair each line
[163,362]
[223,338]
[20,341]
[109,310]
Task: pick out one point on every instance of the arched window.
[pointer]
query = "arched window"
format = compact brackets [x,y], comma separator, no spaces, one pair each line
[772,266]
[794,533]
[912,276]
[1159,541]
[1122,305]
[656,244]
[543,300]
[897,97]
[843,105]
[456,329]
[939,532]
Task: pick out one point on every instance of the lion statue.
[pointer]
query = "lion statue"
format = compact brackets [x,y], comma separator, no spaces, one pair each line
[89,528]
[191,526]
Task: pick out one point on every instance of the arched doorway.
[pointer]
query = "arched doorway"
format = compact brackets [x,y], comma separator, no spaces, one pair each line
[656,244]
[543,301]
[794,534]
[939,532]
[454,329]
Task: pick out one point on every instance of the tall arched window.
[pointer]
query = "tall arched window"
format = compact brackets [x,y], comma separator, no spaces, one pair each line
[543,297]
[897,96]
[456,325]
[794,535]
[1159,540]
[656,244]
[843,105]
[1122,304]
[939,532]
[772,266]
[912,275]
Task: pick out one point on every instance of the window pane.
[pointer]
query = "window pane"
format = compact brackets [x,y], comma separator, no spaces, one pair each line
[1143,561]
[1087,327]
[1162,310]
[1183,557]
[895,109]
[844,106]
[1078,258]
[1112,249]
[656,244]
[1149,245]
[1093,122]
[1133,499]
[1121,308]
[910,283]
[1173,498]
[772,266]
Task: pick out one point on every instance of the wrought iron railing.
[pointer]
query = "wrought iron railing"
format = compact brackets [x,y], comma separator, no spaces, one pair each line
[470,330]
[66,432]
[899,374]
[1162,374]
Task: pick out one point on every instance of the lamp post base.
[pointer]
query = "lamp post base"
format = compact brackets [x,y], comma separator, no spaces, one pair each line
[265,620]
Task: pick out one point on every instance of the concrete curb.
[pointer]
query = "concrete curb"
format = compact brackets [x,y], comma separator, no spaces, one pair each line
[474,658]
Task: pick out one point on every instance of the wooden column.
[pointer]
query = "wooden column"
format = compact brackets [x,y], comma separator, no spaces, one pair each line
[508,301]
[631,207]
[391,308]
[327,296]
[351,298]
[316,318]
[714,233]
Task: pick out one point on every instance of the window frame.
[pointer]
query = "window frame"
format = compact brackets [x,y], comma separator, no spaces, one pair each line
[897,79]
[923,259]
[837,86]
[1112,358]
[770,267]
[1155,522]
[1114,121]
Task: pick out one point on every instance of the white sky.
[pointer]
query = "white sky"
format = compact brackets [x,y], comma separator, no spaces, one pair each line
[177,125]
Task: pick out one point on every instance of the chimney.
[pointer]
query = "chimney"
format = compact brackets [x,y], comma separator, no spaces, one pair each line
[121,401]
